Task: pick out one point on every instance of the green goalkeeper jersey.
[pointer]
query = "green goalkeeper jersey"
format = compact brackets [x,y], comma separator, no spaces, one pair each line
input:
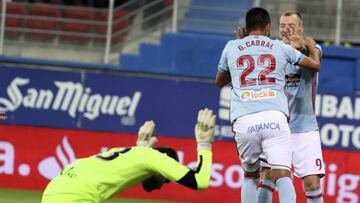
[99,177]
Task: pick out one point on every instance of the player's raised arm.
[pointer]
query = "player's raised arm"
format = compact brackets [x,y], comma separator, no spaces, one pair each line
[316,52]
[312,62]
[205,129]
[301,43]
[204,133]
[145,138]
[199,177]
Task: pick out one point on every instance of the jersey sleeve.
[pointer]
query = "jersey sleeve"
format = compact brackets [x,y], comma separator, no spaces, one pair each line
[176,172]
[223,65]
[293,56]
[319,48]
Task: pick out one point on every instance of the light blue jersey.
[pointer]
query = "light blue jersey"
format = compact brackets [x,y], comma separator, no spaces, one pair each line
[301,85]
[257,67]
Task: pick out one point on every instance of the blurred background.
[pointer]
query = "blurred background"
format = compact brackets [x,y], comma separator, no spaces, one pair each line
[80,76]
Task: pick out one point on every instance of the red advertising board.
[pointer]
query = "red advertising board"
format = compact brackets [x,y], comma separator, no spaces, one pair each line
[31,156]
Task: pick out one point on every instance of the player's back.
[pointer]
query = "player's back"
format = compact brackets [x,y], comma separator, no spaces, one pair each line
[257,67]
[100,176]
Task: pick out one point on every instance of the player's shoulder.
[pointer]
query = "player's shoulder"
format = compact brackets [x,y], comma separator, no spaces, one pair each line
[147,151]
[142,149]
[283,44]
[287,48]
[232,43]
[319,48]
[151,156]
[143,153]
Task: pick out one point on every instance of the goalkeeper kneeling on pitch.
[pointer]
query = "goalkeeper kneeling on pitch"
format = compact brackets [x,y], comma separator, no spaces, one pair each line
[99,177]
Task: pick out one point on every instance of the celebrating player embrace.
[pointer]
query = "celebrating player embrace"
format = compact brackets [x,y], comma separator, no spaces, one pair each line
[99,177]
[255,65]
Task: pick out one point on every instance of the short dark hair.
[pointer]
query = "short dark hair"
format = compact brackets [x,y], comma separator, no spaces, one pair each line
[149,183]
[257,18]
[168,151]
[293,12]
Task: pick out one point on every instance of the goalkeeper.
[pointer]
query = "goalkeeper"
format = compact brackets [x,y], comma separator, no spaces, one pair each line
[99,177]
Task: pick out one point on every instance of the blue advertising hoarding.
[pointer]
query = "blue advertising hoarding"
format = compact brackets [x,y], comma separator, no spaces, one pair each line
[110,102]
[121,103]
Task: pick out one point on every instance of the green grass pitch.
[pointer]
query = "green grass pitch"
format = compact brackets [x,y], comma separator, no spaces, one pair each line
[26,196]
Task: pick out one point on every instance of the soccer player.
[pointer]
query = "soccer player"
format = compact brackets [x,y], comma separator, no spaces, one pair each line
[99,177]
[255,65]
[301,86]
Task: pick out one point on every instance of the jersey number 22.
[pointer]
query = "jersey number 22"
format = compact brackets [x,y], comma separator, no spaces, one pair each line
[262,77]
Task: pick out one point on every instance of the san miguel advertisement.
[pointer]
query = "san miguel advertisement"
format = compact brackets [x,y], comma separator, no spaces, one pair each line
[109,102]
[31,156]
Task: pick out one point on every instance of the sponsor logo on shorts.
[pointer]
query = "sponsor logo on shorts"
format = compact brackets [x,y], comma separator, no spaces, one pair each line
[263,126]
[255,95]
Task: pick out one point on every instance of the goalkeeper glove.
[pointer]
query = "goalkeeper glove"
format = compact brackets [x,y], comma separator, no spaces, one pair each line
[205,129]
[145,138]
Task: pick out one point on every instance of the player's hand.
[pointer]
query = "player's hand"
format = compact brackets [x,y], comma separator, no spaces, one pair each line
[240,32]
[145,138]
[205,129]
[2,115]
[295,40]
[309,41]
[284,38]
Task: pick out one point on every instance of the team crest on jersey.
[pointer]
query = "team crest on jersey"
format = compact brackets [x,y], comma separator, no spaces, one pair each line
[256,95]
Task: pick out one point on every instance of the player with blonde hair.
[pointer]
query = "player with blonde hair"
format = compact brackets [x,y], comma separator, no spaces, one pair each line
[301,86]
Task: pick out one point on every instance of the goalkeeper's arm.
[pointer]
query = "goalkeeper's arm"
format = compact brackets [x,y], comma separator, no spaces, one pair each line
[172,170]
[204,133]
[199,178]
